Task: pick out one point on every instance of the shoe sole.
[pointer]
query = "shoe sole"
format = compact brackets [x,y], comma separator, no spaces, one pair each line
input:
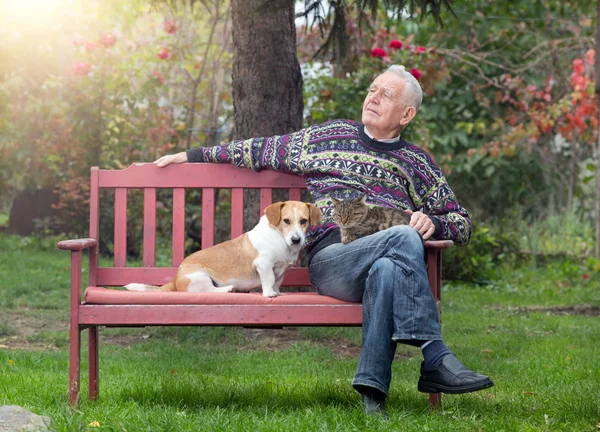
[425,387]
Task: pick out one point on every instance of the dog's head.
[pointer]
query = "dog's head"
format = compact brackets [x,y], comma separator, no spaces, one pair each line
[292,219]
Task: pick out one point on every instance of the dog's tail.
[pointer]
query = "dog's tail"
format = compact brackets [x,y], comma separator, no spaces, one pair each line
[170,286]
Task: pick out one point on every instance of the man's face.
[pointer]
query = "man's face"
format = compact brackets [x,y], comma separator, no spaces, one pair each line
[383,110]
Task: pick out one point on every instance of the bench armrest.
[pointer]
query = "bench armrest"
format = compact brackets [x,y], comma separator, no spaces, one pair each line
[438,244]
[77,244]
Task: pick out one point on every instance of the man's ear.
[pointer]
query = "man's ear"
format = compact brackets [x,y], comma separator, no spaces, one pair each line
[314,214]
[409,114]
[273,213]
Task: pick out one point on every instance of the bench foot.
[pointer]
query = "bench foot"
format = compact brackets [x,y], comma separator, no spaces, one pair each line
[74,376]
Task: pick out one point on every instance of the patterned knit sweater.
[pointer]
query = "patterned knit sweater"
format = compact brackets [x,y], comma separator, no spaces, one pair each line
[338,159]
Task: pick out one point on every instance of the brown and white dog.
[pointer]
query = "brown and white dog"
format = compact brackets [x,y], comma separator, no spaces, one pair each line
[257,258]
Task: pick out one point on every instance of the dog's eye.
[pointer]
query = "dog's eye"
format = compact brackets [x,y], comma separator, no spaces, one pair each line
[286,221]
[303,221]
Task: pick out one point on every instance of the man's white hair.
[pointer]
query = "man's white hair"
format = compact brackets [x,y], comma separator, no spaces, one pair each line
[414,94]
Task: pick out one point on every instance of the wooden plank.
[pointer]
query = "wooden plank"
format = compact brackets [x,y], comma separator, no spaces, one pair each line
[94,223]
[295,194]
[196,175]
[120,239]
[178,241]
[266,199]
[237,212]
[225,315]
[208,217]
[148,258]
[119,276]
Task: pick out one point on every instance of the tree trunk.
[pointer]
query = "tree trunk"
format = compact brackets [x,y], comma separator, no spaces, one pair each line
[598,145]
[267,83]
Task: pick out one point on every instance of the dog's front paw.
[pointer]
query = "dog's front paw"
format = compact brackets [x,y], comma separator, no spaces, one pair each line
[270,293]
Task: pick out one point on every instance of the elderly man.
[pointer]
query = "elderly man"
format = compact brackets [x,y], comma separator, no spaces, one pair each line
[385,271]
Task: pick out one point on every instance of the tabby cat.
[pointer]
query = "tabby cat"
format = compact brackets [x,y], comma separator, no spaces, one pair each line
[356,219]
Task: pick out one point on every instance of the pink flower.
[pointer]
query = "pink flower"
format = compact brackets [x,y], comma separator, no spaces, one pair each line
[590,57]
[78,42]
[82,68]
[163,53]
[395,44]
[420,49]
[159,76]
[415,72]
[107,40]
[91,46]
[378,52]
[170,26]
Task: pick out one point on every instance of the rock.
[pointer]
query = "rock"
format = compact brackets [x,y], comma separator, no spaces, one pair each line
[16,419]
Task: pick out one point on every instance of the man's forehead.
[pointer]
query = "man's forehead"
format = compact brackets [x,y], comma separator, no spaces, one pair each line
[389,80]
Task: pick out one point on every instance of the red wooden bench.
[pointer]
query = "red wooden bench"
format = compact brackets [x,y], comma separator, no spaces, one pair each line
[117,308]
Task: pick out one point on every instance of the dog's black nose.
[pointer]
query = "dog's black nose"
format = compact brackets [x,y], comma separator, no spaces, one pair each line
[295,240]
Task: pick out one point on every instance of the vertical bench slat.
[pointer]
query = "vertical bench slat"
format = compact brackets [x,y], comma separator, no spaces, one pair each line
[120,240]
[94,224]
[149,227]
[178,243]
[208,217]
[237,212]
[266,199]
[295,194]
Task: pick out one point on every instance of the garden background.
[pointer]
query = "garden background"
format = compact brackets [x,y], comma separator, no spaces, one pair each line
[510,113]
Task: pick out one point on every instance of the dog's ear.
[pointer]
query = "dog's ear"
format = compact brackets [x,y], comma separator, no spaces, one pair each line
[273,213]
[314,214]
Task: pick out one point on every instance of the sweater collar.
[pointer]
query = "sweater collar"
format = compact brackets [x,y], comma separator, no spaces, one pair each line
[388,145]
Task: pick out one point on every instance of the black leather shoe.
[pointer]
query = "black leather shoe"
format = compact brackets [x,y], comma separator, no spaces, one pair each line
[373,406]
[452,377]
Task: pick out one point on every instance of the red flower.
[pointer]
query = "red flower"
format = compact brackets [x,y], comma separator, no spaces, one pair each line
[82,68]
[396,44]
[578,66]
[420,49]
[163,53]
[378,52]
[415,72]
[107,40]
[170,26]
[585,276]
[91,46]
[78,42]
[159,76]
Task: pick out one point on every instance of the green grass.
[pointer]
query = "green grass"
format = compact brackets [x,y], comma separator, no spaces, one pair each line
[545,366]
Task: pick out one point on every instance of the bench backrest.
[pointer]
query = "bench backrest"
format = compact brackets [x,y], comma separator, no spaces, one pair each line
[149,177]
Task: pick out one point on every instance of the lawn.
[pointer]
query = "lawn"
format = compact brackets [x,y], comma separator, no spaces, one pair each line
[536,333]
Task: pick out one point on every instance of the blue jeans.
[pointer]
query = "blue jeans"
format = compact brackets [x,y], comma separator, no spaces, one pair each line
[386,272]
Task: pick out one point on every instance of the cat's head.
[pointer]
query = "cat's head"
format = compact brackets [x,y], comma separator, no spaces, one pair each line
[349,212]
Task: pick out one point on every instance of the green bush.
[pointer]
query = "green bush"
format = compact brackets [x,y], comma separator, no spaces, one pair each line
[491,246]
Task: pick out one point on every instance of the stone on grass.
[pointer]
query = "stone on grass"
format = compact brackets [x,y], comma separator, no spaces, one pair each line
[14,418]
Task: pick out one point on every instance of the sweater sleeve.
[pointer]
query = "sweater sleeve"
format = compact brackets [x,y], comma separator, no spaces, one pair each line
[451,220]
[281,152]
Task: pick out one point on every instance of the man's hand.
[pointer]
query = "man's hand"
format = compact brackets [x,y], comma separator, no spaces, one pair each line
[169,159]
[422,223]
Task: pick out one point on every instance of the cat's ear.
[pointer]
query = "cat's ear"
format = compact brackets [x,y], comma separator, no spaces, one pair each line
[335,201]
[314,214]
[363,198]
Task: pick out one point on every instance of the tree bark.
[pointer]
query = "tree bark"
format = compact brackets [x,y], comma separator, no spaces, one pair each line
[267,82]
[598,132]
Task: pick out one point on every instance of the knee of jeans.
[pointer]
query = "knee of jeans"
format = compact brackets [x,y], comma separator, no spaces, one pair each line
[407,239]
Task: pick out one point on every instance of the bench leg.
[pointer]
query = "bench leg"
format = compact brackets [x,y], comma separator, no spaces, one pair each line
[74,358]
[434,400]
[93,363]
[434,274]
